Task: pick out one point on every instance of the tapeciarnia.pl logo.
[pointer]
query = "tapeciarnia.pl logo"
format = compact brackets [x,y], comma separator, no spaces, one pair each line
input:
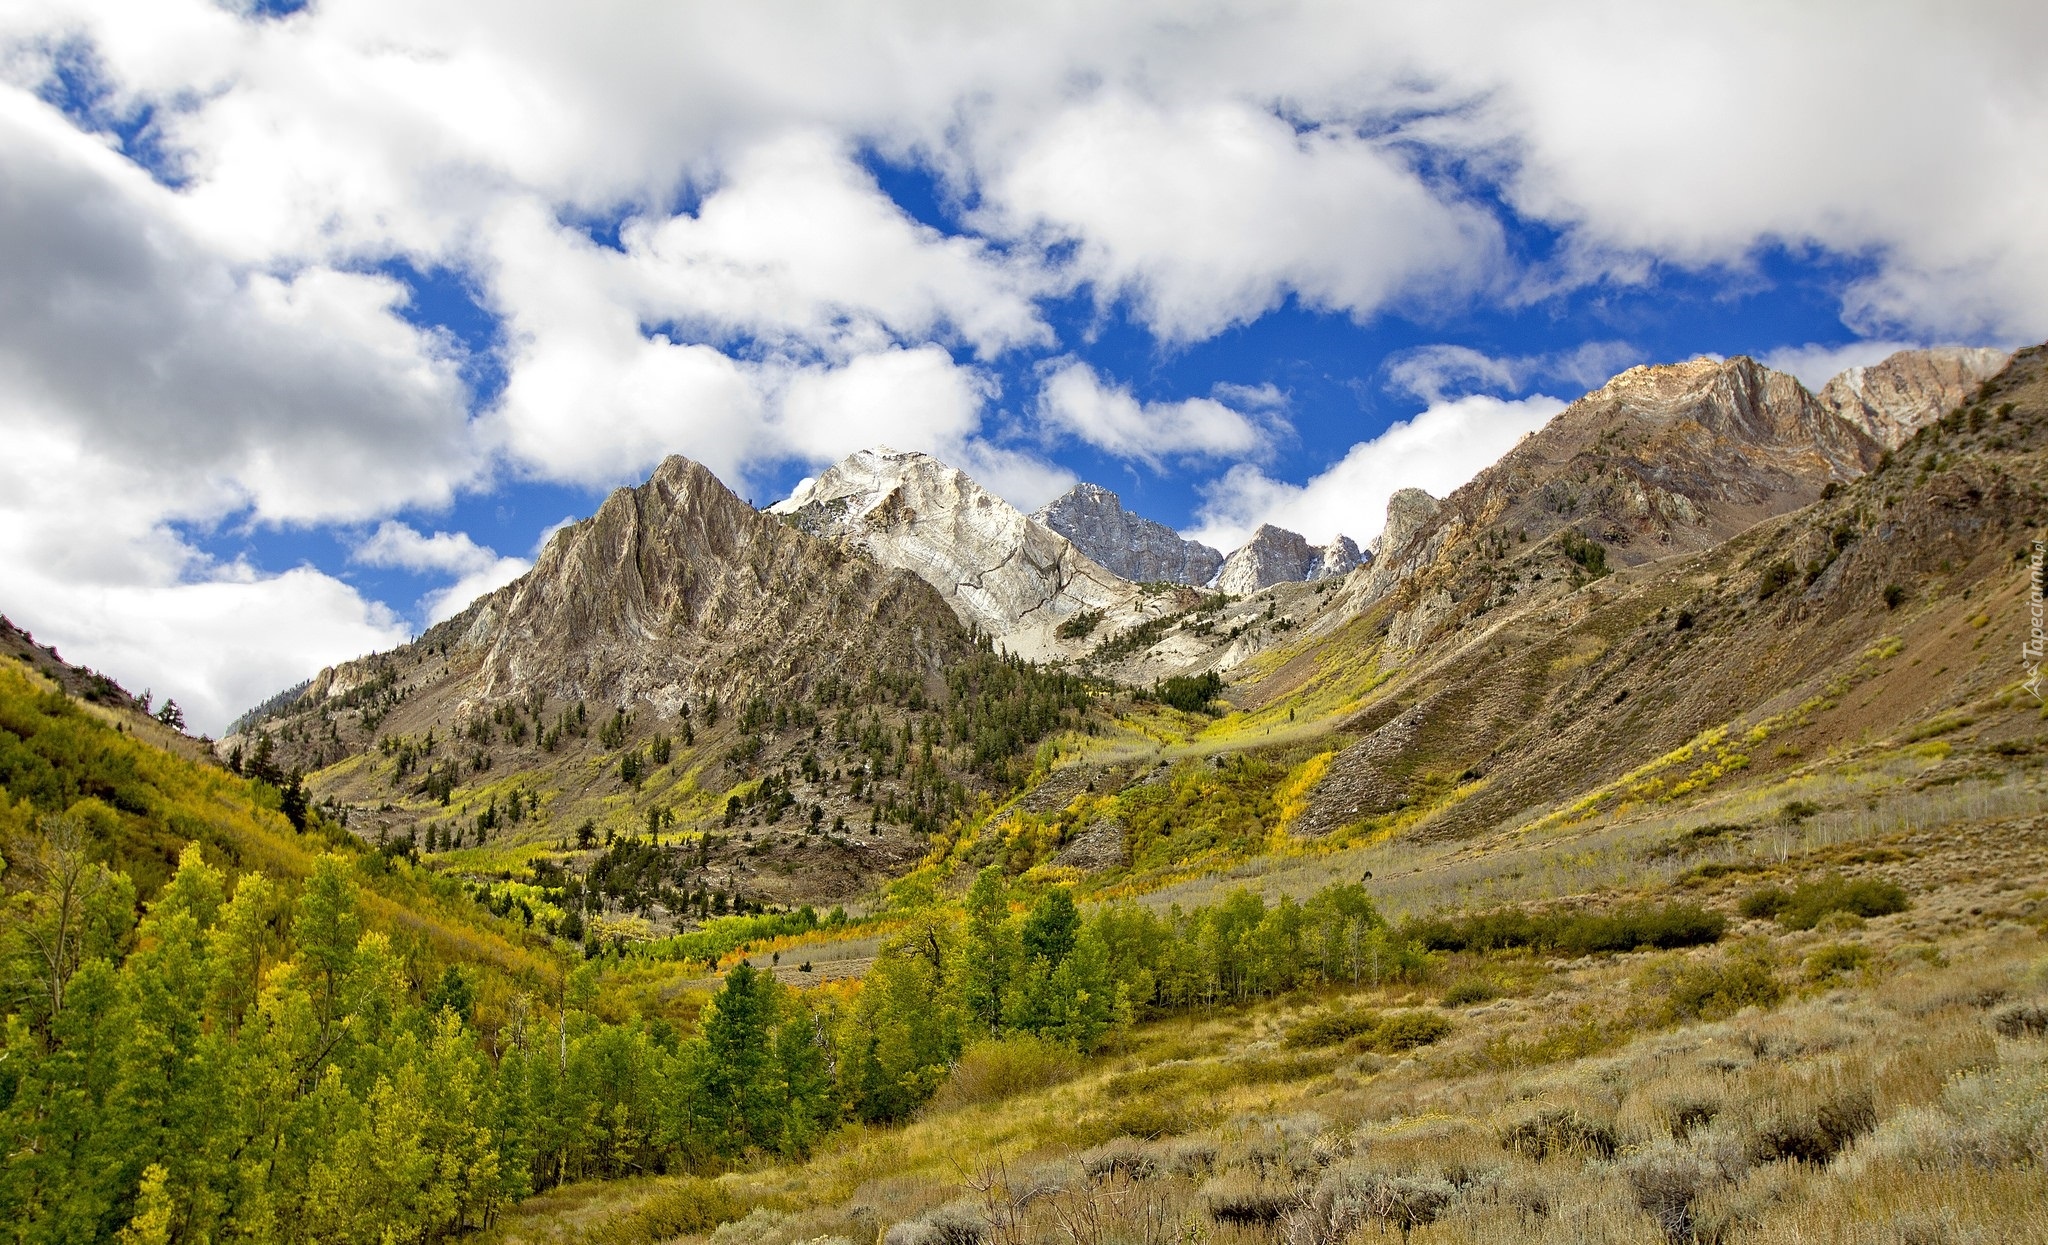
[2031,652]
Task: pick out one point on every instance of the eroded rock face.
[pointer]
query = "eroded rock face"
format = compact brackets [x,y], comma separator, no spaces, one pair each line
[998,569]
[1896,398]
[672,593]
[1130,545]
[1398,551]
[678,589]
[1340,557]
[1275,555]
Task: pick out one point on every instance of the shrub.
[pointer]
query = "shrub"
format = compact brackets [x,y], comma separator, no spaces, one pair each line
[2022,1020]
[1120,1156]
[1559,1130]
[1804,906]
[1714,991]
[1344,1200]
[1836,958]
[1405,1031]
[1238,1199]
[1332,1027]
[959,1223]
[1470,990]
[691,1206]
[1894,596]
[1666,1182]
[1194,1157]
[1775,577]
[1815,1129]
[1391,1033]
[1765,902]
[995,1070]
[1674,925]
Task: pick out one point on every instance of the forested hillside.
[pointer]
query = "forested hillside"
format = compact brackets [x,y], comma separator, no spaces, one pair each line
[276,1034]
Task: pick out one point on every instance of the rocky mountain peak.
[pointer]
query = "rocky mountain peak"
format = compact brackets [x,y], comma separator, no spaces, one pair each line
[1408,511]
[1340,557]
[1000,570]
[1134,547]
[1275,555]
[678,589]
[1895,398]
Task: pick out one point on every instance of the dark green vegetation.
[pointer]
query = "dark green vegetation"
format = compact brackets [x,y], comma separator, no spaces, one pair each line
[1190,693]
[1803,907]
[1570,933]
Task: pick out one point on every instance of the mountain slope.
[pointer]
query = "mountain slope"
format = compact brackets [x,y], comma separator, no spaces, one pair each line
[678,591]
[1129,545]
[1524,675]
[1002,572]
[1895,398]
[678,664]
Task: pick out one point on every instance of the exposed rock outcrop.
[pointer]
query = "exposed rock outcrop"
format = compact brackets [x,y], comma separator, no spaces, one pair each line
[1134,547]
[1001,571]
[1275,555]
[672,592]
[1894,399]
[678,589]
[1340,557]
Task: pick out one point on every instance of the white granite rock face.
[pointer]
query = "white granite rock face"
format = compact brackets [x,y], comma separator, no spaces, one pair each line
[999,570]
[1273,555]
[1896,398]
[1340,557]
[1132,546]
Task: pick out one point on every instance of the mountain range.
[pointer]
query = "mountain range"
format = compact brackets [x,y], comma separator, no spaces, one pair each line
[1681,770]
[835,649]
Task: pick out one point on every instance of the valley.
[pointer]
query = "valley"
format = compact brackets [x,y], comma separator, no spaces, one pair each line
[1646,841]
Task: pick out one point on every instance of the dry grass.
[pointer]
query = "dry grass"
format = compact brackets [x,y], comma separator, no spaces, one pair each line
[1889,1083]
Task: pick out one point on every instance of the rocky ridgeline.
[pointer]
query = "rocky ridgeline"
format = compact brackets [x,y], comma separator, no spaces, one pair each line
[1275,555]
[1137,548]
[1000,570]
[1894,399]
[672,593]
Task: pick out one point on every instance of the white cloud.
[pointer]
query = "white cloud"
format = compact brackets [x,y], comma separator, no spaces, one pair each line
[1815,365]
[304,396]
[1434,372]
[799,244]
[1210,215]
[225,347]
[85,563]
[1074,400]
[1438,450]
[911,399]
[477,568]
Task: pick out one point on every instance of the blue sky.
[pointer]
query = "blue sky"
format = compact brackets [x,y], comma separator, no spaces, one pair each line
[321,315]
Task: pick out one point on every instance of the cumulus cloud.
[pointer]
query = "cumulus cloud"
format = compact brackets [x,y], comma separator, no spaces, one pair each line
[305,396]
[799,244]
[226,346]
[84,562]
[477,568]
[1434,372]
[1075,401]
[1815,364]
[1438,450]
[1209,216]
